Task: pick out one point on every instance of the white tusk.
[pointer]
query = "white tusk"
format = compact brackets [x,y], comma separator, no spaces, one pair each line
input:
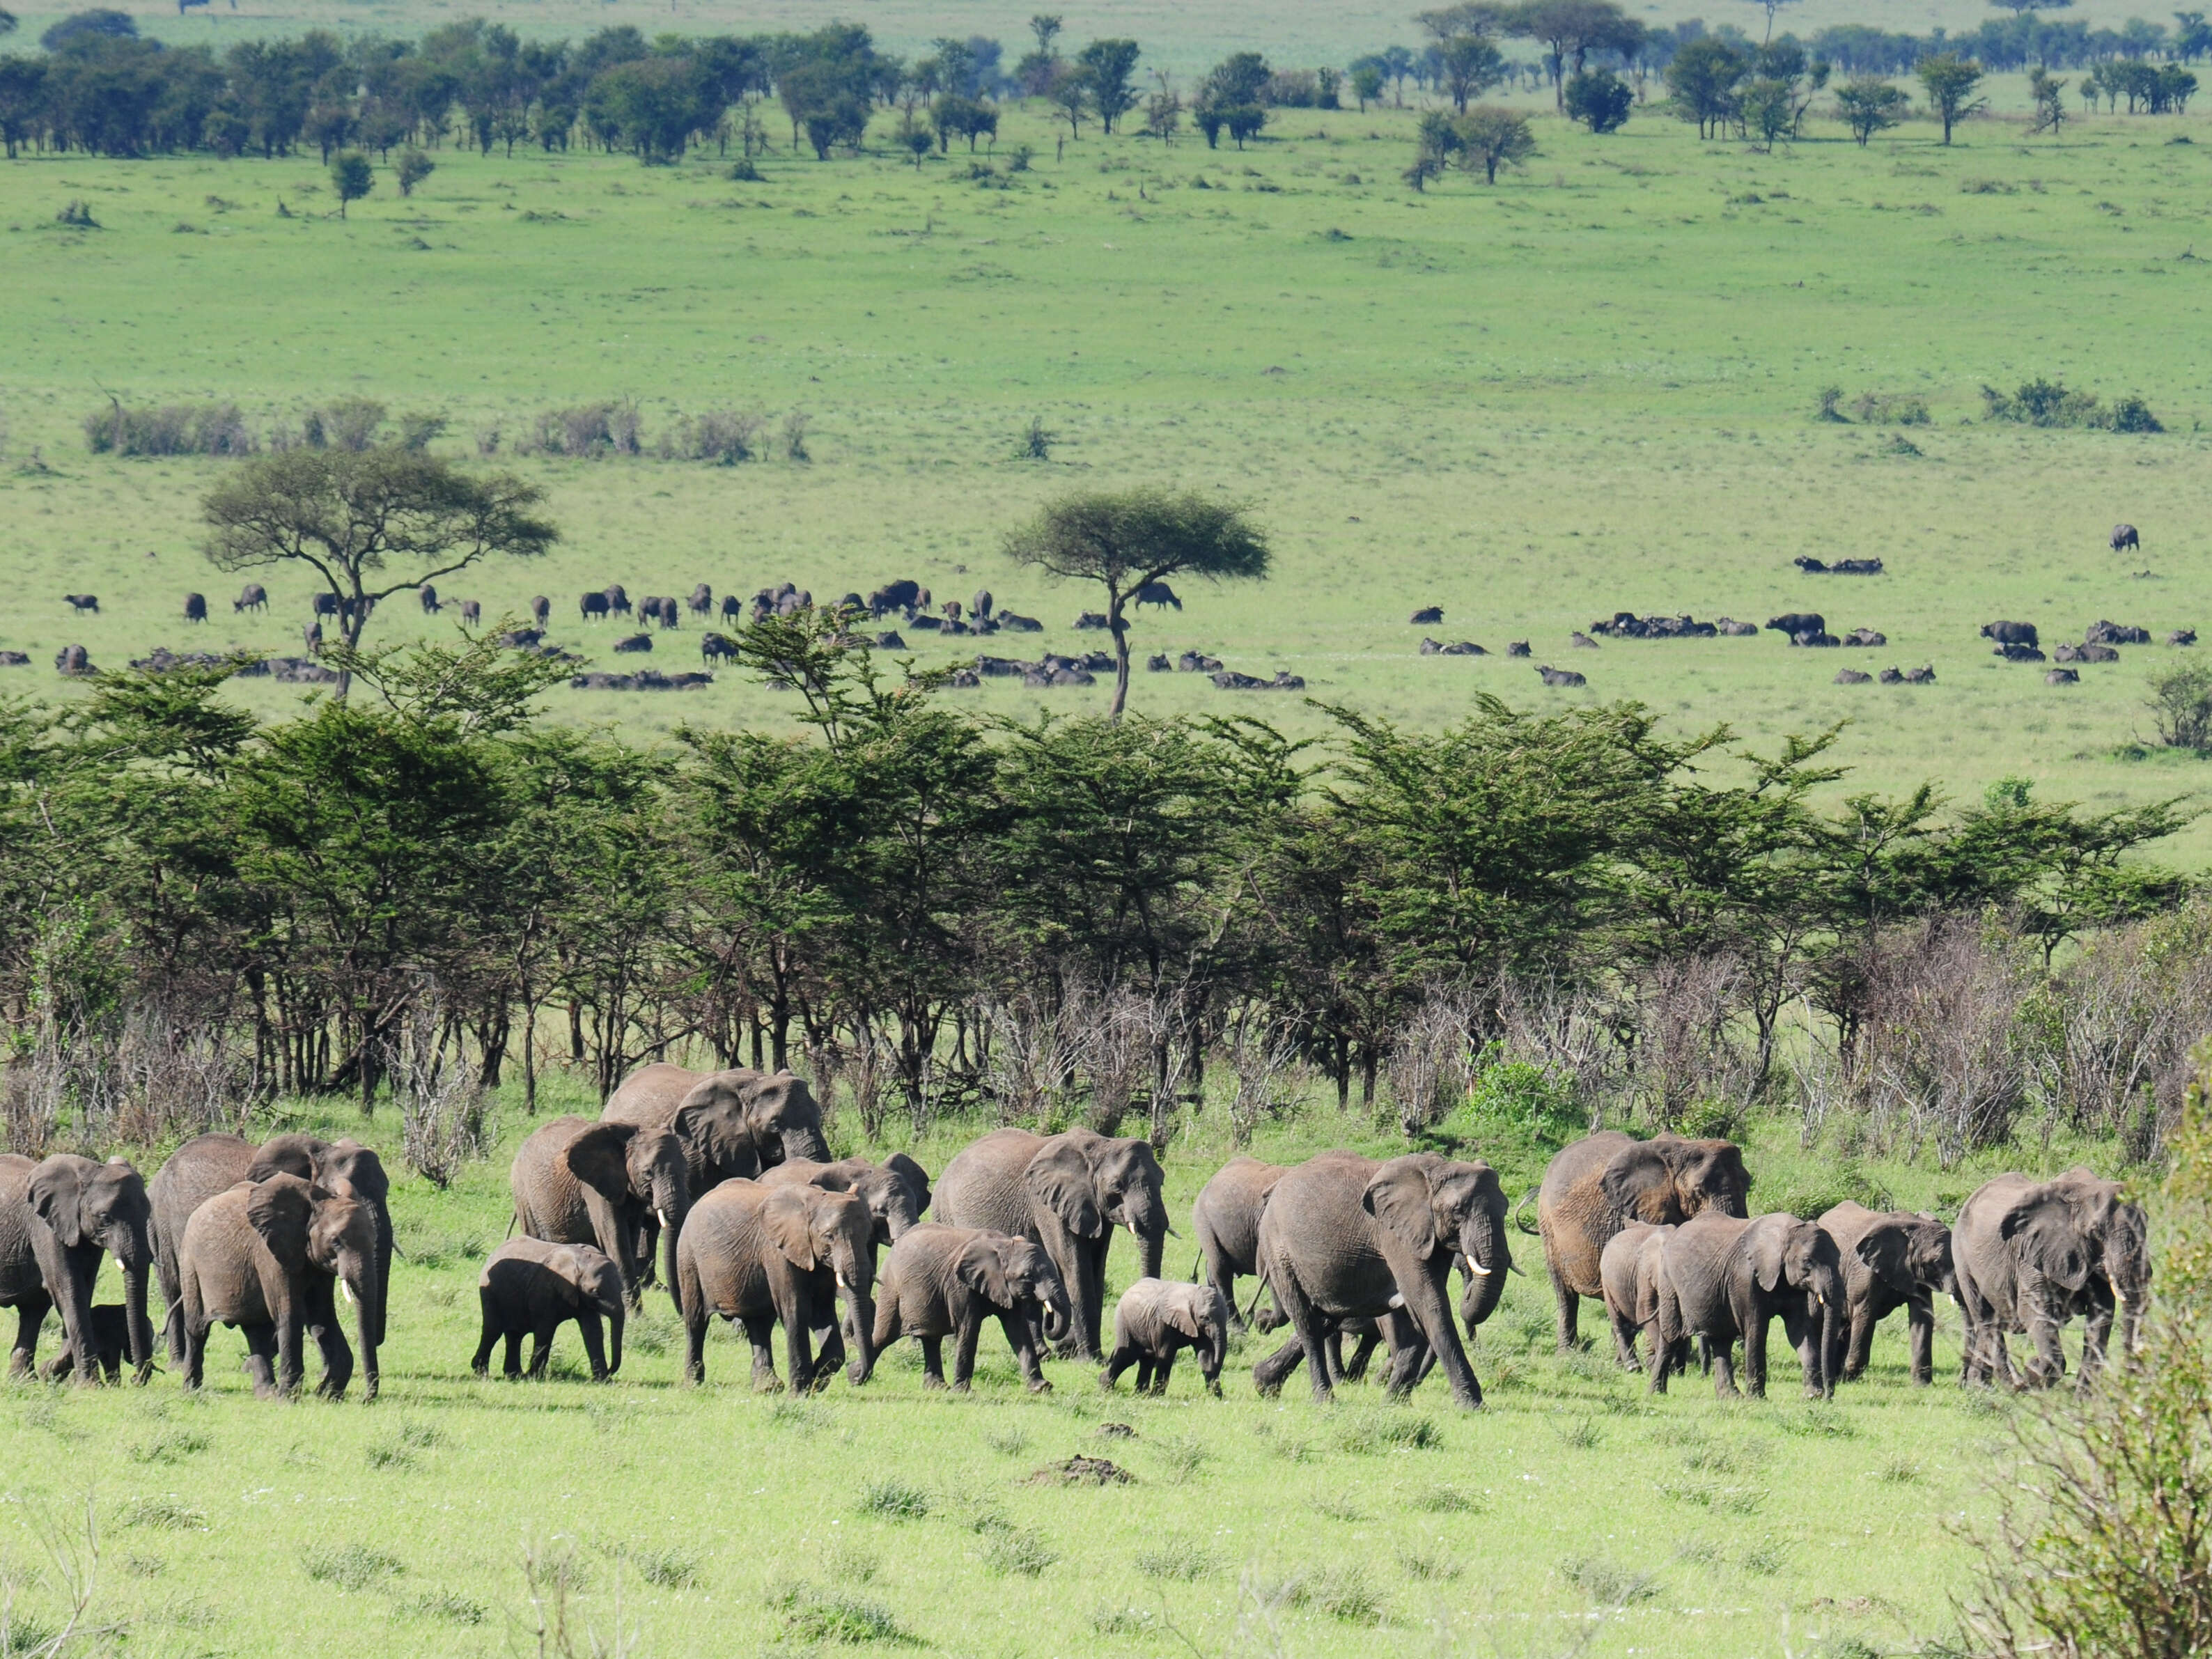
[843,1284]
[1477,1268]
[660,1215]
[346,1290]
[1397,1302]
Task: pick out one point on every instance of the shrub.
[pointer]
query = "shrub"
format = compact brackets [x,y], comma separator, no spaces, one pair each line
[1891,409]
[722,437]
[2181,705]
[173,429]
[414,167]
[820,1615]
[350,424]
[1600,100]
[587,431]
[2050,403]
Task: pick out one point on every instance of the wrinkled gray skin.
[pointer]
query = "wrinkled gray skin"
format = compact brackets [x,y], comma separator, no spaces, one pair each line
[1067,1193]
[580,1183]
[1732,1276]
[763,1255]
[208,1165]
[1344,1237]
[111,1337]
[1638,1300]
[1226,1219]
[1155,1320]
[1892,1259]
[2031,1255]
[57,1218]
[533,1288]
[1603,1181]
[268,1256]
[895,1191]
[945,1281]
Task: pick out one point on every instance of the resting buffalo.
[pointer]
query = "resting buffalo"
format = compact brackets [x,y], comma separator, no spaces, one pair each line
[2101,632]
[1015,622]
[2086,653]
[1795,623]
[2010,633]
[2182,636]
[2124,536]
[1517,649]
[1427,616]
[2063,677]
[2015,653]
[1852,677]
[1093,620]
[1561,675]
[634,642]
[1866,636]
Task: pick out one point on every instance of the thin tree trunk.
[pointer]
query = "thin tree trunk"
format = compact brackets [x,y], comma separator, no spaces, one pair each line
[1119,624]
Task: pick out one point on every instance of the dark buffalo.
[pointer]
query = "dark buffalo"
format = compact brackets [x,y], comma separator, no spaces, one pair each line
[2124,537]
[1517,649]
[1013,622]
[1159,663]
[2182,636]
[617,600]
[1427,617]
[732,608]
[2010,633]
[471,613]
[713,647]
[1158,593]
[2101,632]
[430,604]
[981,604]
[890,639]
[196,607]
[2063,677]
[703,600]
[1734,629]
[634,642]
[252,596]
[541,611]
[1582,641]
[1093,621]
[901,595]
[1867,637]
[83,602]
[74,661]
[1794,622]
[594,606]
[2016,653]
[1561,675]
[2085,654]
[522,639]
[1852,677]
[326,604]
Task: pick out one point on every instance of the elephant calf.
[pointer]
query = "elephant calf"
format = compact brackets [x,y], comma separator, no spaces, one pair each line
[1157,1319]
[1891,1260]
[533,1287]
[111,1342]
[1732,1276]
[1638,1298]
[945,1281]
[763,1255]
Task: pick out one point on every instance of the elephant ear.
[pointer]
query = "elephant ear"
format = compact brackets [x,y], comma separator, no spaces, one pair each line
[916,1179]
[2046,1233]
[56,1198]
[1884,1248]
[574,1272]
[786,1219]
[1060,1178]
[1638,1185]
[1768,1244]
[281,1210]
[1400,1198]
[711,1122]
[599,1157]
[983,1270]
[1182,1316]
[291,1155]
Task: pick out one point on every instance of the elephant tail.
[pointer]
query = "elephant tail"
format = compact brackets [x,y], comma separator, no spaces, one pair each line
[1521,1212]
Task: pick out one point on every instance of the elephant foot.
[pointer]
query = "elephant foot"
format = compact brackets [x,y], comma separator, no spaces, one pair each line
[1040,1385]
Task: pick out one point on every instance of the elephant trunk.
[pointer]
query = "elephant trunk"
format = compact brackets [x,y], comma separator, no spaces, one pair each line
[141,1331]
[1827,1350]
[671,1227]
[805,1141]
[861,1308]
[615,1314]
[1057,1322]
[369,1292]
[1489,1258]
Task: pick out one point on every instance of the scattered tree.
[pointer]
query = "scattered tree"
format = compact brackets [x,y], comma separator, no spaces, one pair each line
[1472,65]
[1951,81]
[1703,81]
[1490,137]
[414,167]
[2049,96]
[1366,82]
[1600,100]
[1106,68]
[1869,104]
[1124,540]
[351,177]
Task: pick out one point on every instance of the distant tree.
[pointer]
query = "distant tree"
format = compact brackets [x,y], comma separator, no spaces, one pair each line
[1491,137]
[6,23]
[1569,31]
[1770,7]
[2018,8]
[1240,78]
[1951,81]
[915,138]
[414,167]
[1767,110]
[2193,36]
[1070,94]
[956,117]
[1703,81]
[1123,540]
[1162,115]
[1869,104]
[102,22]
[1472,65]
[1107,67]
[2049,97]
[1046,27]
[1366,81]
[1600,100]
[351,177]
[1244,121]
[382,521]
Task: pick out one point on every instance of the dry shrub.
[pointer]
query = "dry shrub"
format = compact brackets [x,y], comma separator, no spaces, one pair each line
[1566,1031]
[170,429]
[143,1078]
[1431,1061]
[445,1116]
[1115,1047]
[1692,1069]
[2119,1022]
[723,437]
[350,424]
[587,431]
[1259,1050]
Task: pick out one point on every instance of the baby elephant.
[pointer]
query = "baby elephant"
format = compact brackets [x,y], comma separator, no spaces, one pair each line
[532,1287]
[111,1341]
[1156,1319]
[945,1281]
[1639,1299]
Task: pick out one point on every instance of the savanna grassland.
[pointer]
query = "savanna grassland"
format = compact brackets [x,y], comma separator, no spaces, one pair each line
[1573,1515]
[1592,388]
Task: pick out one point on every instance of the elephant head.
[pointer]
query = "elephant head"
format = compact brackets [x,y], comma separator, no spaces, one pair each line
[328,1164]
[815,1229]
[1008,1271]
[593,1284]
[1792,1256]
[1094,1184]
[1436,1209]
[330,1231]
[1670,1179]
[2078,1230]
[1203,1317]
[624,1166]
[104,1207]
[897,1192]
[1911,1254]
[739,1122]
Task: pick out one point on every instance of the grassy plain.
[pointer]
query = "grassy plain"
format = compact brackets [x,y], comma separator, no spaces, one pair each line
[1573,1516]
[1591,388]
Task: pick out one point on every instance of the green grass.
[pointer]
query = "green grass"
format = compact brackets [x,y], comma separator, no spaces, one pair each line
[1592,388]
[716,1520]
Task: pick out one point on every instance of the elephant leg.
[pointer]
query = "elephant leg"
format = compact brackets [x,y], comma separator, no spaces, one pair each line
[511,1366]
[1410,1354]
[1657,1358]
[1119,1361]
[290,1365]
[195,1352]
[1754,1354]
[541,1349]
[1270,1373]
[588,1325]
[30,1315]
[1722,1355]
[933,1362]
[1306,1319]
[1624,1340]
[759,1332]
[482,1363]
[1861,1348]
[1920,1334]
[264,1360]
[1570,1304]
[1162,1371]
[2095,1335]
[1022,1337]
[337,1360]
[1144,1373]
[696,1316]
[829,1348]
[1363,1351]
[2048,1367]
[963,1352]
[1804,1334]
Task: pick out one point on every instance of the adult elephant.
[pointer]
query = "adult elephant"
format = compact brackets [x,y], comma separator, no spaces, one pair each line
[580,1183]
[1732,1276]
[1226,1218]
[1892,1259]
[267,1256]
[733,1124]
[764,1256]
[1067,1193]
[1346,1237]
[2031,1255]
[895,1191]
[57,1218]
[211,1163]
[1596,1186]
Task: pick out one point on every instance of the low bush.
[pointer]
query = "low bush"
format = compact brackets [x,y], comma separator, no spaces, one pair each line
[2053,403]
[170,429]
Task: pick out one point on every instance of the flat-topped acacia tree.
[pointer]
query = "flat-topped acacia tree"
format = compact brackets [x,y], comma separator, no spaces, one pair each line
[371,524]
[1125,540]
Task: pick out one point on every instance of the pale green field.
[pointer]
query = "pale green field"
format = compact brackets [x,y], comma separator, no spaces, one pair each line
[1572,1516]
[1589,389]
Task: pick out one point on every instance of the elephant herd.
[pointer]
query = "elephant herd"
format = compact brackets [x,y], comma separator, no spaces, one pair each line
[720,1185]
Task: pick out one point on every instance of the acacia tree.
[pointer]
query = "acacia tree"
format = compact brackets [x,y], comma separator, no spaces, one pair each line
[1472,65]
[1951,81]
[1869,105]
[1490,136]
[1124,540]
[1107,66]
[370,524]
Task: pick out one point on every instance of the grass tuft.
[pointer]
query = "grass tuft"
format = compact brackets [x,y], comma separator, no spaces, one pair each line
[1022,1550]
[1345,1594]
[895,1500]
[450,1607]
[1608,1582]
[349,1566]
[1581,1434]
[1181,1563]
[1429,1566]
[1448,1500]
[173,1447]
[813,1615]
[666,1569]
[163,1514]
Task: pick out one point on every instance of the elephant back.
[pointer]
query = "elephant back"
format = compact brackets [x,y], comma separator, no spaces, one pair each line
[1988,1274]
[650,1095]
[202,1167]
[19,1266]
[1698,1258]
[229,1271]
[983,1186]
[1228,1209]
